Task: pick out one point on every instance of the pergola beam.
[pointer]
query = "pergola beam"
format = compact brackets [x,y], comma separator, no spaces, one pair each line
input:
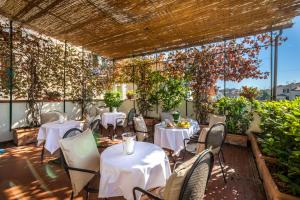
[27,8]
[275,28]
[118,29]
[44,11]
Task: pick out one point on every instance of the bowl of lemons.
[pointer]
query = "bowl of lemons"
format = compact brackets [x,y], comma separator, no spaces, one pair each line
[183,124]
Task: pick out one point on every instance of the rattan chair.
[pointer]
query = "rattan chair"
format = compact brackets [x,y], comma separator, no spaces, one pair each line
[195,181]
[95,127]
[214,139]
[88,189]
[124,122]
[149,137]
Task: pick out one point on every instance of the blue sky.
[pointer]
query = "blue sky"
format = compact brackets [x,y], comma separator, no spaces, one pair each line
[288,61]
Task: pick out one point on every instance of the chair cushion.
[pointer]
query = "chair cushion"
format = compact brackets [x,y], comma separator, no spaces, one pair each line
[102,110]
[51,116]
[214,119]
[139,124]
[175,181]
[202,138]
[80,151]
[141,136]
[92,112]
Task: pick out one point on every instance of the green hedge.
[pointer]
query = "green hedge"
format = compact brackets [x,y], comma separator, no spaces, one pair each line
[238,113]
[280,122]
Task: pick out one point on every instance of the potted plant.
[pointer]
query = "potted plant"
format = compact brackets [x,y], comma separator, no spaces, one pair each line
[171,93]
[112,100]
[238,112]
[130,94]
[139,71]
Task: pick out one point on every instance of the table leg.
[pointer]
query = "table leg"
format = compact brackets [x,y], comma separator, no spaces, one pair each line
[171,153]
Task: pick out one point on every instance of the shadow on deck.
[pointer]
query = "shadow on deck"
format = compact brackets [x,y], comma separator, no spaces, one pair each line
[22,176]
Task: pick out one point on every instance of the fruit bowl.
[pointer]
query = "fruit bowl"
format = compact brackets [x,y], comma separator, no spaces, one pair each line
[184,124]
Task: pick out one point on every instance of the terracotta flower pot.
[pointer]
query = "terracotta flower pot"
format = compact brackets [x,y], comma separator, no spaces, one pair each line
[130,96]
[235,139]
[23,136]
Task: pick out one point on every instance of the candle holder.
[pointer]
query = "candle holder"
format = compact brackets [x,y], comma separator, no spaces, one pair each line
[128,140]
[61,119]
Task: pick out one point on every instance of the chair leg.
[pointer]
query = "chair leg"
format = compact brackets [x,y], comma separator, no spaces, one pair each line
[224,177]
[112,134]
[111,131]
[42,154]
[183,156]
[87,195]
[99,129]
[223,158]
[115,132]
[72,194]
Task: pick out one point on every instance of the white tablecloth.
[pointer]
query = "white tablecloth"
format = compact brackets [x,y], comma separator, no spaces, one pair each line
[110,118]
[147,168]
[171,138]
[52,132]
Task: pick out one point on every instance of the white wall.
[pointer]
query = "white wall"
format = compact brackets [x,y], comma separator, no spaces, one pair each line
[4,122]
[19,115]
[73,111]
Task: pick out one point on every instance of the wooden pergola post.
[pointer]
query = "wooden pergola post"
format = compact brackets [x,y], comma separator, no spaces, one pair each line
[225,61]
[276,65]
[64,81]
[10,72]
[271,68]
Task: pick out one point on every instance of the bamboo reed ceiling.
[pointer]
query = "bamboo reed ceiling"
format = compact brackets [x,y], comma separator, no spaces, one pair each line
[115,28]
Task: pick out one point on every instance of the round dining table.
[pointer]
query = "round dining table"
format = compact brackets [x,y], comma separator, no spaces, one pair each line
[52,132]
[111,117]
[171,138]
[148,167]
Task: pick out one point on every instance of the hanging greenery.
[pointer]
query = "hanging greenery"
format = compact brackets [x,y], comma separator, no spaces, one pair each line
[141,72]
[39,67]
[4,60]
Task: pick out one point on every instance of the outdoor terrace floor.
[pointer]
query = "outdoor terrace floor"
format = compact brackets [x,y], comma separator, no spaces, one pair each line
[22,176]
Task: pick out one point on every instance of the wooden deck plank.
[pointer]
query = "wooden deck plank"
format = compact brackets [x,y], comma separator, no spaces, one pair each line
[22,176]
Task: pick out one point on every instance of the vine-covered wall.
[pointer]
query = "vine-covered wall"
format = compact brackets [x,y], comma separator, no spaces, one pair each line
[37,68]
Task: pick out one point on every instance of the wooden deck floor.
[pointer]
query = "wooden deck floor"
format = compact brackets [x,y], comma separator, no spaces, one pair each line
[22,176]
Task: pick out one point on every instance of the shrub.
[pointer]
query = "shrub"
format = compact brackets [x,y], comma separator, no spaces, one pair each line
[238,113]
[172,92]
[112,99]
[281,139]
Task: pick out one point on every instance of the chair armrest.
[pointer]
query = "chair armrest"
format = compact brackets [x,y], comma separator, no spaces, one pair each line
[142,131]
[152,196]
[120,118]
[191,140]
[176,163]
[83,170]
